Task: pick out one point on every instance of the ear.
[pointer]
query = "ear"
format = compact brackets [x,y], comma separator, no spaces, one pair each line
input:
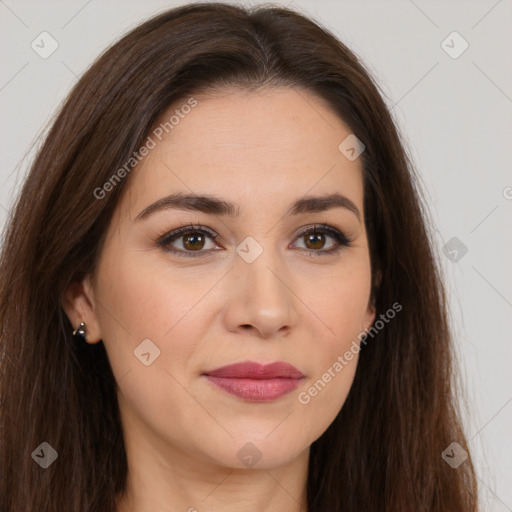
[369,317]
[79,304]
[372,309]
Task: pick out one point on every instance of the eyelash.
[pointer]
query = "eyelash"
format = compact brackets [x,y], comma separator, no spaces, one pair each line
[166,239]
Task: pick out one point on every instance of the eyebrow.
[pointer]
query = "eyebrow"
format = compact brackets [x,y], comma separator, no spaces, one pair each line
[214,206]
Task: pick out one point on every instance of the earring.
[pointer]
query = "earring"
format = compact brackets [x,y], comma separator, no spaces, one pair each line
[79,333]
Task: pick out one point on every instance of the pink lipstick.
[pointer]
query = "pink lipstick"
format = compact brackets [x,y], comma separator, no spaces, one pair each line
[255,382]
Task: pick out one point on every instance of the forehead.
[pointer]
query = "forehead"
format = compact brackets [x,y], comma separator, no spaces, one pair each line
[251,147]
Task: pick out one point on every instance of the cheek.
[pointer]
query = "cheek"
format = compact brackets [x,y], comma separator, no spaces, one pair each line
[138,302]
[334,355]
[333,359]
[145,300]
[342,300]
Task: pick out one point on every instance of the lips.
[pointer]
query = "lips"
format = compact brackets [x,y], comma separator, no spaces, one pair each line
[251,370]
[255,382]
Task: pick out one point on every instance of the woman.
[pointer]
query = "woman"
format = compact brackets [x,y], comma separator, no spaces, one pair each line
[218,289]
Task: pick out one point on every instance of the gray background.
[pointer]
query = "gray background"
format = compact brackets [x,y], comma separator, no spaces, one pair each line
[455,114]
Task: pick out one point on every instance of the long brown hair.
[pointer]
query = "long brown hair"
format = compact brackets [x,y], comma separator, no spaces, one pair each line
[383,450]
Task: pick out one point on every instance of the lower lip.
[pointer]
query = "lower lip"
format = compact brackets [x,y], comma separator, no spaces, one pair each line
[256,390]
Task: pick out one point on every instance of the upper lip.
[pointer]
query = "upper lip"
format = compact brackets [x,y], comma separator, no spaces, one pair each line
[253,370]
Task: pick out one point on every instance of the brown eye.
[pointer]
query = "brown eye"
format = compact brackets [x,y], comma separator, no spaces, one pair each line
[193,241]
[314,240]
[189,241]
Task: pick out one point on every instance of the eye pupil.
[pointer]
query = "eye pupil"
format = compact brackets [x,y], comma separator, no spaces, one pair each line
[197,241]
[320,240]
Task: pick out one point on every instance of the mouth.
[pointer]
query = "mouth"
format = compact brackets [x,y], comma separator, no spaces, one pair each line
[255,382]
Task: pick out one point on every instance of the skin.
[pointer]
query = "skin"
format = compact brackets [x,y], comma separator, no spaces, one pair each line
[262,150]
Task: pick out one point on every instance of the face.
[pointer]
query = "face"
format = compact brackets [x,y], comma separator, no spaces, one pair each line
[277,278]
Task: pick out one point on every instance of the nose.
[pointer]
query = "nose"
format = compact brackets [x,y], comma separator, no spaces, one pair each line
[262,299]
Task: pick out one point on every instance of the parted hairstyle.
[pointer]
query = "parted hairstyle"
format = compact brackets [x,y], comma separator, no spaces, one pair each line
[383,450]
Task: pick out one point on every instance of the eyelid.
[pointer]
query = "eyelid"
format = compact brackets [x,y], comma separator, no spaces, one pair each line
[321,227]
[190,228]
